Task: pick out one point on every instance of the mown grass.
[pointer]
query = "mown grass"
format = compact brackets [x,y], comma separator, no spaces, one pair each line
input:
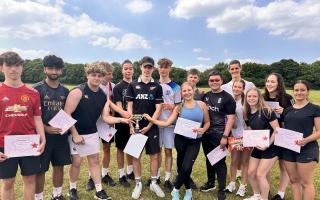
[199,175]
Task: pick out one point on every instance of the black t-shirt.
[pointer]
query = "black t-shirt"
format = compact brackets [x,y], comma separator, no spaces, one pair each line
[89,109]
[52,99]
[289,101]
[119,94]
[260,120]
[220,105]
[301,120]
[144,97]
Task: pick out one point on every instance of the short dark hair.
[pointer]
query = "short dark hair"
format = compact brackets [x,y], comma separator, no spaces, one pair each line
[194,71]
[215,73]
[10,58]
[126,61]
[232,62]
[165,62]
[53,61]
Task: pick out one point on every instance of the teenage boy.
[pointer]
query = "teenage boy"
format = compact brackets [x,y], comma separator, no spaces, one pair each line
[193,77]
[123,131]
[52,96]
[171,98]
[145,96]
[222,115]
[20,114]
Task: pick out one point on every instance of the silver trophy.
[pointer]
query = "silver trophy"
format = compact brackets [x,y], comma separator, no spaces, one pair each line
[137,118]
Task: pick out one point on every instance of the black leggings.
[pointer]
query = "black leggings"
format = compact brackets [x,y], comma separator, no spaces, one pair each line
[187,152]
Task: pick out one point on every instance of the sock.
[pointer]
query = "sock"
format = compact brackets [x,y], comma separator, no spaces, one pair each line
[104,171]
[238,173]
[89,174]
[38,196]
[167,176]
[281,194]
[175,189]
[73,185]
[121,172]
[57,191]
[138,180]
[98,187]
[158,173]
[129,169]
[154,179]
[242,185]
[232,183]
[257,195]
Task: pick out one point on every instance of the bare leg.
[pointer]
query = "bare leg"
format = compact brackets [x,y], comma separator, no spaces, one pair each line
[75,168]
[245,156]
[306,173]
[292,170]
[168,160]
[252,171]
[29,187]
[94,168]
[106,155]
[7,189]
[284,178]
[57,176]
[264,167]
[40,180]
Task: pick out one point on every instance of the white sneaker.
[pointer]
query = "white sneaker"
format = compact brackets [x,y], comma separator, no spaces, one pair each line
[137,191]
[156,189]
[241,191]
[231,187]
[254,197]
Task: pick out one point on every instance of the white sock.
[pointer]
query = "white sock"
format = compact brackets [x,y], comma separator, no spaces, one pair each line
[257,195]
[38,196]
[57,191]
[104,171]
[89,174]
[232,183]
[167,176]
[158,173]
[129,169]
[175,189]
[281,194]
[98,187]
[242,186]
[121,172]
[154,179]
[138,180]
[73,185]
[238,173]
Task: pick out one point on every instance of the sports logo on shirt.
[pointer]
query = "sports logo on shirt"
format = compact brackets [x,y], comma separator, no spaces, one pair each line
[46,97]
[145,96]
[24,98]
[5,99]
[138,87]
[152,88]
[219,100]
[86,96]
[62,97]
[16,109]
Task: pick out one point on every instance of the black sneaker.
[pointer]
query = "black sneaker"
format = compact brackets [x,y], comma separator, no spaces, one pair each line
[102,195]
[193,185]
[73,194]
[123,181]
[277,197]
[149,182]
[168,186]
[130,176]
[207,187]
[222,195]
[108,180]
[90,185]
[60,197]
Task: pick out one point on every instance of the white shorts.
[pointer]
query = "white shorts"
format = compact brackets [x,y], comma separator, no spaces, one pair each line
[90,147]
[166,137]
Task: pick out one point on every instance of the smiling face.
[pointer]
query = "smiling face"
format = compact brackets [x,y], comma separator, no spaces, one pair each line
[95,79]
[187,92]
[193,79]
[215,82]
[234,70]
[300,92]
[127,71]
[252,98]
[146,70]
[271,83]
[237,88]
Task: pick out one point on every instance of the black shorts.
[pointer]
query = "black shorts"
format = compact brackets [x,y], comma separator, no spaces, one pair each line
[269,153]
[29,165]
[308,153]
[57,151]
[152,146]
[122,136]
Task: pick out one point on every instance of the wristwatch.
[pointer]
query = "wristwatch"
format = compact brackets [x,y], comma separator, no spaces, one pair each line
[224,136]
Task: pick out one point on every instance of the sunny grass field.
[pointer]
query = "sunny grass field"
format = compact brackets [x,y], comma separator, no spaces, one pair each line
[198,174]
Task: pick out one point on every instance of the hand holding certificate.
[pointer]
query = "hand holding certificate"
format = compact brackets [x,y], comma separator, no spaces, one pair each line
[216,155]
[274,105]
[21,145]
[256,138]
[63,121]
[135,145]
[185,127]
[288,139]
[105,131]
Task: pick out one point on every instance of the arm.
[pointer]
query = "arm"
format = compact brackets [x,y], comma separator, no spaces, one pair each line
[155,115]
[227,129]
[40,130]
[274,124]
[206,119]
[110,119]
[72,102]
[129,109]
[119,109]
[168,122]
[314,136]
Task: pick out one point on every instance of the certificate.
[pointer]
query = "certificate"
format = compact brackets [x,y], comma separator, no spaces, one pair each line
[105,131]
[287,139]
[135,145]
[63,121]
[273,105]
[91,145]
[184,127]
[253,138]
[216,155]
[21,145]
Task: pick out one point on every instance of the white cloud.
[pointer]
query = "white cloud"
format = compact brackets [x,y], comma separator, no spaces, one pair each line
[288,18]
[200,67]
[28,53]
[204,58]
[197,50]
[318,59]
[128,41]
[27,19]
[139,6]
[245,60]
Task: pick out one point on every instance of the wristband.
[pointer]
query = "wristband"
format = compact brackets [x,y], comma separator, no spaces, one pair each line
[224,136]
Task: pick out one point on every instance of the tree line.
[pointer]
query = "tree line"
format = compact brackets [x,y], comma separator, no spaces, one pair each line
[255,72]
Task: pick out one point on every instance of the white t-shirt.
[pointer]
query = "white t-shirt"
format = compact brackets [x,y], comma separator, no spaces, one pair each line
[228,86]
[239,122]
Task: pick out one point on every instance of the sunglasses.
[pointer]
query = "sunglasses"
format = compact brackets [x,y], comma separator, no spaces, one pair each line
[214,80]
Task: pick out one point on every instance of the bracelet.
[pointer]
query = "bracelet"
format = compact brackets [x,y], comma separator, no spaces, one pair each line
[224,136]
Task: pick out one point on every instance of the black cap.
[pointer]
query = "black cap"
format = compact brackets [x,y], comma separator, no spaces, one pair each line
[147,61]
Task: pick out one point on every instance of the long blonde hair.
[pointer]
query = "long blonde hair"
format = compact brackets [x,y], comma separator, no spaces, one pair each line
[261,105]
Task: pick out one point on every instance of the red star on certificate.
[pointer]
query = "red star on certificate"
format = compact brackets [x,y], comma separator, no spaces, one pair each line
[265,138]
[34,145]
[110,135]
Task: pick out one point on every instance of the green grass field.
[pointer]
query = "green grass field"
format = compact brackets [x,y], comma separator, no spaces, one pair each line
[199,175]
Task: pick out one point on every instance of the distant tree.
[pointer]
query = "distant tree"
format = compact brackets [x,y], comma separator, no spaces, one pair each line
[288,68]
[32,71]
[255,73]
[117,72]
[73,74]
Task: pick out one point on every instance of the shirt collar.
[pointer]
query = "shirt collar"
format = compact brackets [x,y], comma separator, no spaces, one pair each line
[140,80]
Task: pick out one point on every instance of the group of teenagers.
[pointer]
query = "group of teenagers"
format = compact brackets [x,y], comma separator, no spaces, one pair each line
[224,111]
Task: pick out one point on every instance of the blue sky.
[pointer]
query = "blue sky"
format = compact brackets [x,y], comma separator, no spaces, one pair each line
[192,33]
